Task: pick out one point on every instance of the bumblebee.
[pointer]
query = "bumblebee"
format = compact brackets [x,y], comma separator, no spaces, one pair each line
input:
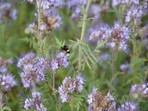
[65,48]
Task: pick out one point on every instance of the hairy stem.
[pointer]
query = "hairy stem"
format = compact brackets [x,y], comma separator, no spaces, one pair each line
[84,20]
[83,33]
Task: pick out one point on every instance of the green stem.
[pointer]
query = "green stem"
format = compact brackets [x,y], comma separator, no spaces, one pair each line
[53,82]
[39,22]
[135,52]
[113,63]
[83,33]
[84,20]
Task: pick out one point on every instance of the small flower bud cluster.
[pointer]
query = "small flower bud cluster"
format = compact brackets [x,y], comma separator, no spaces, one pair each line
[47,4]
[6,11]
[50,21]
[7,81]
[118,35]
[4,63]
[69,85]
[99,102]
[60,60]
[128,2]
[76,5]
[33,69]
[126,68]
[35,102]
[128,106]
[102,34]
[141,89]
[133,13]
[73,3]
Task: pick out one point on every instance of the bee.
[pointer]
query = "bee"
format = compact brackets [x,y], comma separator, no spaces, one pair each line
[65,48]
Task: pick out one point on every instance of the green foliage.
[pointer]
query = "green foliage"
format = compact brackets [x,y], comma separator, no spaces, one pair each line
[16,40]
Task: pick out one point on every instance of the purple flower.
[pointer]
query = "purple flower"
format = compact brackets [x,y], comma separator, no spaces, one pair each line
[54,65]
[7,81]
[119,36]
[6,11]
[97,100]
[79,82]
[128,106]
[26,59]
[134,12]
[69,85]
[101,34]
[33,69]
[35,102]
[140,89]
[126,68]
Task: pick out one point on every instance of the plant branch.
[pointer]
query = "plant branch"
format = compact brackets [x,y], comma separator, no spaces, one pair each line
[84,20]
[83,33]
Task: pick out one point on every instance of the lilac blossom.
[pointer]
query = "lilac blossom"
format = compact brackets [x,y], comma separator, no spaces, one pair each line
[128,106]
[6,11]
[134,12]
[47,4]
[4,63]
[128,2]
[119,36]
[126,68]
[101,34]
[54,65]
[76,5]
[35,102]
[50,21]
[140,89]
[69,85]
[33,69]
[95,11]
[60,60]
[79,82]
[99,102]
[26,59]
[7,81]
[72,3]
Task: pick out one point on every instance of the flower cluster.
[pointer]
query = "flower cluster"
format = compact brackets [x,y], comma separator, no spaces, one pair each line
[60,60]
[7,81]
[118,35]
[69,85]
[50,19]
[75,4]
[134,13]
[101,34]
[33,69]
[128,2]
[128,106]
[6,11]
[99,102]
[35,102]
[140,89]
[126,68]
[4,63]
